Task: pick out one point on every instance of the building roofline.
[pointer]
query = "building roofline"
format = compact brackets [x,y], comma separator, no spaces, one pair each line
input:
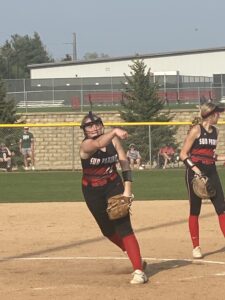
[120,58]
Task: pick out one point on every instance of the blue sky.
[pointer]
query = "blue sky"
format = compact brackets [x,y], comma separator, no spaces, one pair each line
[116,27]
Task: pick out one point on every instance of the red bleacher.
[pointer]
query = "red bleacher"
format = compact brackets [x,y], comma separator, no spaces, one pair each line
[97,98]
[103,97]
[186,95]
[75,102]
[111,98]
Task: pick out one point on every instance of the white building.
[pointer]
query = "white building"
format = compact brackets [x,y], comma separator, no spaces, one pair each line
[200,62]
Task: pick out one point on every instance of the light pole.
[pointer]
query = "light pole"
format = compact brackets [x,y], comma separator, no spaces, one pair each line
[74,44]
[74,47]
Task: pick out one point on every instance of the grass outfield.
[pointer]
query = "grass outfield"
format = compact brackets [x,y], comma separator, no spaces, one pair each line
[66,186]
[102,108]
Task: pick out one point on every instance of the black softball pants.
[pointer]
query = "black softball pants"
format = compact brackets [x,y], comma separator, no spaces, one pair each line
[196,202]
[96,200]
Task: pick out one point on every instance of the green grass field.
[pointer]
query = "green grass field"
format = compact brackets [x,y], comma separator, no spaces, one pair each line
[156,184]
[102,108]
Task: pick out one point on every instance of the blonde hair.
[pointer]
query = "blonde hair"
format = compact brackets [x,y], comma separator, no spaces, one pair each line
[194,122]
[206,108]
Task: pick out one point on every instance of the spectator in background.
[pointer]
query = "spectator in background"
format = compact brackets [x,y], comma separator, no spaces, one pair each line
[167,154]
[5,157]
[134,156]
[26,144]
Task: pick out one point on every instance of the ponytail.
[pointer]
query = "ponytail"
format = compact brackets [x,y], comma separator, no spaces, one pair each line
[195,121]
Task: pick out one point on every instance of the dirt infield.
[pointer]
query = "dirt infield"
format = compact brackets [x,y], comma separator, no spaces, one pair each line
[55,251]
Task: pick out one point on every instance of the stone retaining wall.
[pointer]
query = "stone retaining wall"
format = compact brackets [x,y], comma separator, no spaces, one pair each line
[58,147]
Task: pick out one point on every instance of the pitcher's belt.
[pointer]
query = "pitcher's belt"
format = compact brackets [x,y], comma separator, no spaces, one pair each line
[203,160]
[98,182]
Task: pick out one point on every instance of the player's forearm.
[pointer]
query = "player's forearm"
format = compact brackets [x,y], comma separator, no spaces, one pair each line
[91,145]
[106,138]
[124,163]
[127,188]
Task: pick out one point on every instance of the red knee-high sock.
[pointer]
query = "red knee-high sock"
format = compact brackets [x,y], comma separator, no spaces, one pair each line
[117,240]
[133,251]
[194,230]
[222,223]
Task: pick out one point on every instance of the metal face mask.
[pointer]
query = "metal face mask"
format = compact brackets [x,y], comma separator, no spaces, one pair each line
[88,126]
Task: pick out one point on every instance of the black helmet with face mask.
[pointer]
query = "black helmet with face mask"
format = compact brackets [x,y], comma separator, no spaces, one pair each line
[94,120]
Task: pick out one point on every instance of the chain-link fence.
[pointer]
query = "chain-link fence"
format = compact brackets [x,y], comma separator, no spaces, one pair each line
[106,93]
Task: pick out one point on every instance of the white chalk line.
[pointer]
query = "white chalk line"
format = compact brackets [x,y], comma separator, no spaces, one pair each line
[67,258]
[38,258]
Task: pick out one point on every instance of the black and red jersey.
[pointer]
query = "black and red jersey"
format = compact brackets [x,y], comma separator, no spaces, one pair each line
[100,167]
[203,148]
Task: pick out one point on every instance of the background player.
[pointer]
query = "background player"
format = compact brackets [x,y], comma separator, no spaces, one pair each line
[198,154]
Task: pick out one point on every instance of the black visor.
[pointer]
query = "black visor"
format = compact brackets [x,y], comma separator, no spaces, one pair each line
[216,109]
[91,123]
[94,120]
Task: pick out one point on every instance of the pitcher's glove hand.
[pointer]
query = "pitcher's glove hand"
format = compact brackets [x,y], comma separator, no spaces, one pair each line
[203,186]
[119,206]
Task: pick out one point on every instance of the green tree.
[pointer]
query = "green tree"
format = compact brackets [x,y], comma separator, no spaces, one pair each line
[6,61]
[19,52]
[9,136]
[141,103]
[7,107]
